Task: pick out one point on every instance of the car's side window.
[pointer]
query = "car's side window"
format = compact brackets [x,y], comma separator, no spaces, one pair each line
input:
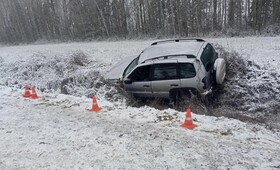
[208,57]
[140,74]
[165,71]
[187,70]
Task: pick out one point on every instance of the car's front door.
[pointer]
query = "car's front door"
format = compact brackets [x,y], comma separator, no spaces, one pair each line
[164,78]
[138,82]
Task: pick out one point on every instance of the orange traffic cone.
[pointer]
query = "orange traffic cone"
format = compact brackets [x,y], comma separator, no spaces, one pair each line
[95,107]
[26,93]
[188,121]
[34,94]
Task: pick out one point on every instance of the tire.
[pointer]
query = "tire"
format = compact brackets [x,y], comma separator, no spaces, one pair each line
[220,70]
[175,96]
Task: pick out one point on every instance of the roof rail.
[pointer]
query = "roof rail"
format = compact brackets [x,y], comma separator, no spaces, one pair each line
[169,56]
[178,40]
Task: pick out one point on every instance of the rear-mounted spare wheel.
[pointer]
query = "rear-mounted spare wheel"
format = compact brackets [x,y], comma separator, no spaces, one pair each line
[220,69]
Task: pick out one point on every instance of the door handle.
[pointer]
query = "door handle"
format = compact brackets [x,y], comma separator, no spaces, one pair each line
[174,85]
[146,86]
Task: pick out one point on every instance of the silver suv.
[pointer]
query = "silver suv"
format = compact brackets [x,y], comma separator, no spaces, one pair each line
[172,68]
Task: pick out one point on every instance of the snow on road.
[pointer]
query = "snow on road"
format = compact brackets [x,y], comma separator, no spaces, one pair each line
[57,132]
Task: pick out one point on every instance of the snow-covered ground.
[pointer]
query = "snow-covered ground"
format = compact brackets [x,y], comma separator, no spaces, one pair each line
[265,51]
[57,132]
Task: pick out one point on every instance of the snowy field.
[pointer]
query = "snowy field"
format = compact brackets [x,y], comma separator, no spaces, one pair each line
[57,132]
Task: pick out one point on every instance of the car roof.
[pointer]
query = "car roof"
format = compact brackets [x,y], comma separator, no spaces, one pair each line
[166,48]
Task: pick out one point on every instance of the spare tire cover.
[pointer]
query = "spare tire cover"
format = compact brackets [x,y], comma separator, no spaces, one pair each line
[220,68]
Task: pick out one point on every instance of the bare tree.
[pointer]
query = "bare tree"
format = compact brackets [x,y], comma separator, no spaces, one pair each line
[31,20]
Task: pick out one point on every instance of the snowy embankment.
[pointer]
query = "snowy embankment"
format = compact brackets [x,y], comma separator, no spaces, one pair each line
[57,132]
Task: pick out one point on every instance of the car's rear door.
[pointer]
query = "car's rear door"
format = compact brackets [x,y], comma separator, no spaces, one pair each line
[164,78]
[189,80]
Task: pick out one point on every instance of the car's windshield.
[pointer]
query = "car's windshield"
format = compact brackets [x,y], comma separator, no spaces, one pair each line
[131,66]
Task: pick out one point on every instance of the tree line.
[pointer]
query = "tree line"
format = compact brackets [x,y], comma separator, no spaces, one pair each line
[32,20]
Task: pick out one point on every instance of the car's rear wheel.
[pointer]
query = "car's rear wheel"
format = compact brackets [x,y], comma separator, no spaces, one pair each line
[174,96]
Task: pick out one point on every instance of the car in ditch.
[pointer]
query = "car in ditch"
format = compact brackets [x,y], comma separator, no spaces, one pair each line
[170,69]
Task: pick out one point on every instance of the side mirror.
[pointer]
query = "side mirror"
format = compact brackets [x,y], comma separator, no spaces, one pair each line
[127,81]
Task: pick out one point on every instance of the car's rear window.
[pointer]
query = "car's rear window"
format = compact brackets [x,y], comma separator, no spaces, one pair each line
[187,70]
[165,71]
